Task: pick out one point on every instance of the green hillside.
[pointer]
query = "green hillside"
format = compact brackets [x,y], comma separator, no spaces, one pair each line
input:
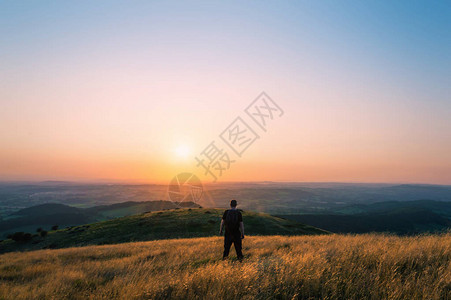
[46,215]
[176,223]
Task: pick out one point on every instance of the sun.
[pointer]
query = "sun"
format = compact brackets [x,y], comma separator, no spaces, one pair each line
[182,151]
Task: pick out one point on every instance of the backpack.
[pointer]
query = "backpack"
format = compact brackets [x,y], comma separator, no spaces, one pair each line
[232,221]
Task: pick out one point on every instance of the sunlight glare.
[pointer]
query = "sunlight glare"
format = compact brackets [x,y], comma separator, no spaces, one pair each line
[182,151]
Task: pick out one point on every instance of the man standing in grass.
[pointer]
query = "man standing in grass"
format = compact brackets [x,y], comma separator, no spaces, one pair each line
[234,230]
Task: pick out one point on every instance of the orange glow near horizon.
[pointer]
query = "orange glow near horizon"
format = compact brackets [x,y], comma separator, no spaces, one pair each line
[135,92]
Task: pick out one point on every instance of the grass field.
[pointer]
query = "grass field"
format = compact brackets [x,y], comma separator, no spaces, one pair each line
[303,267]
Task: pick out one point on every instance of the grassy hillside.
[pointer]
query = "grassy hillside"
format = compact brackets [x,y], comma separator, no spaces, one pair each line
[176,223]
[276,267]
[49,214]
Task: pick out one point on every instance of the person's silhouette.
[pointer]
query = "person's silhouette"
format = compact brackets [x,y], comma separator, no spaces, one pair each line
[232,220]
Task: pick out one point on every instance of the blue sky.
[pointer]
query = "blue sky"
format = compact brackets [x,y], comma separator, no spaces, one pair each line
[84,81]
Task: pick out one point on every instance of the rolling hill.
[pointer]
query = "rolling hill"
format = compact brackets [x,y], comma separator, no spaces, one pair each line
[176,223]
[49,214]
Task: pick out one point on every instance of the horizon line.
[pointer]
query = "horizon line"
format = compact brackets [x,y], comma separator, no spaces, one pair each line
[138,182]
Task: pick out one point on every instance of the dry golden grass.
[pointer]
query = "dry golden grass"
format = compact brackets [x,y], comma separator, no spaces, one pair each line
[304,267]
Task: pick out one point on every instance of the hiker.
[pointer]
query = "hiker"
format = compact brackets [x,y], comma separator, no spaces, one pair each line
[232,220]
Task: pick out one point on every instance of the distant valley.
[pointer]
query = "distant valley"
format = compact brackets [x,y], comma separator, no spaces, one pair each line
[335,207]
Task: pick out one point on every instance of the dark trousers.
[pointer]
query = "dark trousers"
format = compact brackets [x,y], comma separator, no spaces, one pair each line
[236,240]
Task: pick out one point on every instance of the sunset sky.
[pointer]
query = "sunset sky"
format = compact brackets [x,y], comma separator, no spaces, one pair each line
[134,91]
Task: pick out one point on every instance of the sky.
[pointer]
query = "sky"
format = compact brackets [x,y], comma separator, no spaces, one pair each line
[135,91]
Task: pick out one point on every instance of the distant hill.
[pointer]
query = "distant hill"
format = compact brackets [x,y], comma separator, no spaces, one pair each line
[410,217]
[440,207]
[49,214]
[176,223]
[269,197]
[135,207]
[46,210]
